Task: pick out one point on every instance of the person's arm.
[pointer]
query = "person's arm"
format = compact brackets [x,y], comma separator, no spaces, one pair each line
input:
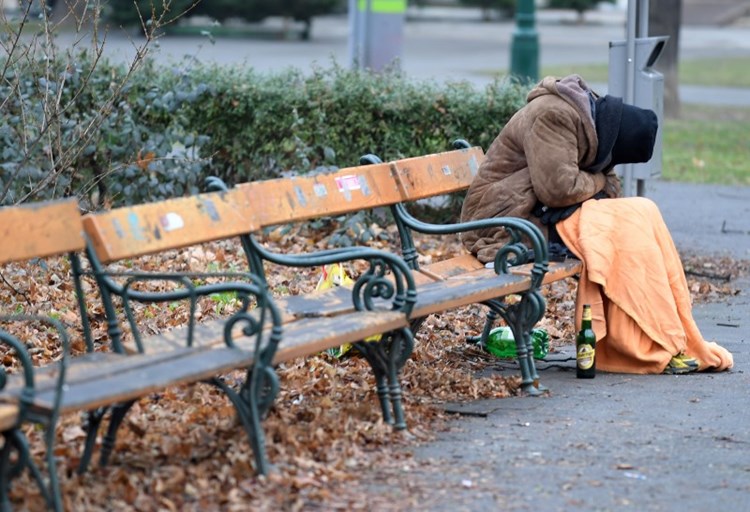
[551,150]
[612,187]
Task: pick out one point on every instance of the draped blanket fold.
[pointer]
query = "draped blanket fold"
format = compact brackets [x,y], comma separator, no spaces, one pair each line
[634,280]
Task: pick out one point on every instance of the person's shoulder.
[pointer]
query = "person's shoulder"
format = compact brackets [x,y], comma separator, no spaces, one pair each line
[551,108]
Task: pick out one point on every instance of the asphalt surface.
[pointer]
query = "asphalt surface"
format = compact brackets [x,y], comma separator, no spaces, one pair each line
[618,442]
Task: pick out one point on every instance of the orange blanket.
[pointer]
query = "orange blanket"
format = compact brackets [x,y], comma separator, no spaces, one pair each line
[633,278]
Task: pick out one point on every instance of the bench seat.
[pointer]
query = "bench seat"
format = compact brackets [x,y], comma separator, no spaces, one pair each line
[445,285]
[309,334]
[8,416]
[103,379]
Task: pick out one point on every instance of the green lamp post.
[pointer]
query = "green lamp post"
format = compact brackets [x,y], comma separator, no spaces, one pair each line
[524,49]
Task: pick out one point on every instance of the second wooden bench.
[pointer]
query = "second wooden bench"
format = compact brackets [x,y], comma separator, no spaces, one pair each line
[456,282]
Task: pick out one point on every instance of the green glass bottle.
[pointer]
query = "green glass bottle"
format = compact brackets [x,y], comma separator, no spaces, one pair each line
[586,347]
[501,343]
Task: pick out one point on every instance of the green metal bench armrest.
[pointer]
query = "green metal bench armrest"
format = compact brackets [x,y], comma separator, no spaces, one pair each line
[400,289]
[27,366]
[371,284]
[250,288]
[515,252]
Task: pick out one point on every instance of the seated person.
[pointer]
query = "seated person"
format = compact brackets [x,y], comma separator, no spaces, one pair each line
[553,164]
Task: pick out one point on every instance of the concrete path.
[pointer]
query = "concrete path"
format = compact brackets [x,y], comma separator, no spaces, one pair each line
[618,442]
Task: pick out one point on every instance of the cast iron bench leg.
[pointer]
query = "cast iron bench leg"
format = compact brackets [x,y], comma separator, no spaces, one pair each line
[375,354]
[91,426]
[115,420]
[246,404]
[15,440]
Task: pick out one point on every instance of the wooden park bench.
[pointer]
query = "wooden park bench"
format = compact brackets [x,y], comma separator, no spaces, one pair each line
[100,380]
[250,339]
[458,281]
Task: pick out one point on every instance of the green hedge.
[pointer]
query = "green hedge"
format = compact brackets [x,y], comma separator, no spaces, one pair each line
[171,127]
[79,133]
[261,125]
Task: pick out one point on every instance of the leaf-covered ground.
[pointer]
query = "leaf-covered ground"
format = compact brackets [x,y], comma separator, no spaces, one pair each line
[182,450]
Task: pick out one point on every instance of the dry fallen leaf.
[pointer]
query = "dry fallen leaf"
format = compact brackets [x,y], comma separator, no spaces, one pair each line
[182,448]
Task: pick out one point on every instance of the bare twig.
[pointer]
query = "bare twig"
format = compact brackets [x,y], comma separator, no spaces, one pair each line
[46,133]
[709,275]
[15,290]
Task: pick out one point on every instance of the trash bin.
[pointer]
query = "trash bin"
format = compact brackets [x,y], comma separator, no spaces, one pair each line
[648,90]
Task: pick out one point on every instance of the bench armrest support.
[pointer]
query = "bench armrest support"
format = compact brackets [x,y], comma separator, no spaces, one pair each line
[26,395]
[524,237]
[190,286]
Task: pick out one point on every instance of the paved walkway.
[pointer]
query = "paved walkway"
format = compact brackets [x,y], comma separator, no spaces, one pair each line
[618,442]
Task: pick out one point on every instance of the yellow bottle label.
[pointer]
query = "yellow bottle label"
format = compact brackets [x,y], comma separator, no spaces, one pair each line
[586,313]
[585,357]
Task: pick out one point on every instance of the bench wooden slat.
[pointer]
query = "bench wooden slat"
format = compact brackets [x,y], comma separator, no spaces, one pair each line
[453,266]
[437,174]
[471,288]
[300,198]
[135,376]
[557,270]
[204,334]
[172,224]
[143,376]
[332,301]
[8,416]
[45,377]
[483,284]
[40,229]
[336,301]
[311,335]
[93,366]
[302,336]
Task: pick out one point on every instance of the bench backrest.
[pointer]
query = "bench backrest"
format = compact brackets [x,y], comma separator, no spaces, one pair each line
[352,189]
[347,190]
[437,174]
[133,231]
[38,230]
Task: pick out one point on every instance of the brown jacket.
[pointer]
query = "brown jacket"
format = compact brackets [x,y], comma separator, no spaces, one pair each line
[538,156]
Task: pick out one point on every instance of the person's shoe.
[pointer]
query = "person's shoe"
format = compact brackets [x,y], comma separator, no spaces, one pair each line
[681,364]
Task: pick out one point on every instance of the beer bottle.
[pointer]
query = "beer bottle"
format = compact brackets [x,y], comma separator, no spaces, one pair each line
[586,347]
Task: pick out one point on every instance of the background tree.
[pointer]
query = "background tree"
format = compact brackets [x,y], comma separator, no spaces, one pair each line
[504,7]
[579,6]
[128,12]
[665,19]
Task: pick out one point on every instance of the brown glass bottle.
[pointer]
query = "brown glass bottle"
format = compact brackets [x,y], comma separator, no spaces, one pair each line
[586,347]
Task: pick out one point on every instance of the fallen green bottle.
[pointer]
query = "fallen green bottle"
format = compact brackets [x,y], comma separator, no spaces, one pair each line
[501,343]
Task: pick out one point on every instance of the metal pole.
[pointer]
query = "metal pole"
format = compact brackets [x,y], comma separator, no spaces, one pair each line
[366,35]
[524,56]
[642,18]
[627,171]
[355,39]
[360,28]
[642,32]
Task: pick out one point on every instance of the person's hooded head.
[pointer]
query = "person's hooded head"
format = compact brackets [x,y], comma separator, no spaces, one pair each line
[626,133]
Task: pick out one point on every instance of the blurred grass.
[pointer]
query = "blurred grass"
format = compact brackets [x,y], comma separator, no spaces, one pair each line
[717,72]
[708,145]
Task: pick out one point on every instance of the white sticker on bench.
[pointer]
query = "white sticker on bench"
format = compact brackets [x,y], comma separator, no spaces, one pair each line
[171,222]
[348,182]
